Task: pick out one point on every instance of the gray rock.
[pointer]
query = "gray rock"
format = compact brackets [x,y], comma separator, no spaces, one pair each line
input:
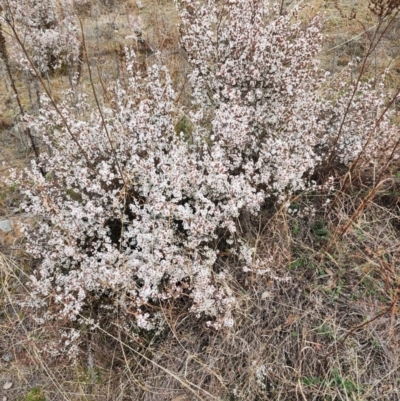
[6,226]
[7,357]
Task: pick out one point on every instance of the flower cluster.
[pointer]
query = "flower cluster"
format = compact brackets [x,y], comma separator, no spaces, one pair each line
[44,33]
[359,124]
[383,8]
[259,73]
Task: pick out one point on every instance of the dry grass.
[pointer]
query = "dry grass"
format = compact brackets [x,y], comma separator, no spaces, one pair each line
[332,332]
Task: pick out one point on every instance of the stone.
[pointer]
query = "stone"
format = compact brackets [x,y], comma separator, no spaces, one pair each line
[6,226]
[7,385]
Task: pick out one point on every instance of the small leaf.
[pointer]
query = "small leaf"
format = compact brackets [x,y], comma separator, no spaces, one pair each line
[321,232]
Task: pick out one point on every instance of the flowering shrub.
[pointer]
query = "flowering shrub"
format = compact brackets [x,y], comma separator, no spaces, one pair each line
[258,70]
[132,213]
[47,30]
[359,123]
[129,208]
[259,73]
